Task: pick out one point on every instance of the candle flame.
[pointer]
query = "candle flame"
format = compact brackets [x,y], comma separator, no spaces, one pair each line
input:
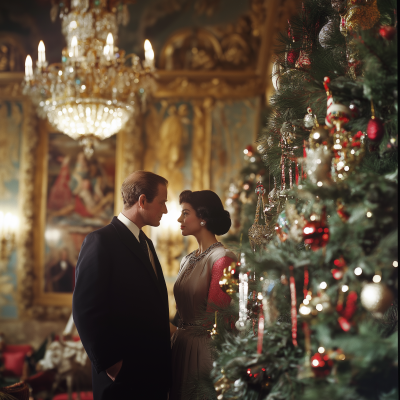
[147,45]
[110,39]
[41,46]
[28,61]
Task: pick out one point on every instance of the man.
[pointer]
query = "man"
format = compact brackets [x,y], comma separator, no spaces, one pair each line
[120,302]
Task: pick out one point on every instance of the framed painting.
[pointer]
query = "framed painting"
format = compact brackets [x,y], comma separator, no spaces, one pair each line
[75,195]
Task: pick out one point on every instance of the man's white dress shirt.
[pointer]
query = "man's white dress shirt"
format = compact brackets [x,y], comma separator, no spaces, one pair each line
[135,230]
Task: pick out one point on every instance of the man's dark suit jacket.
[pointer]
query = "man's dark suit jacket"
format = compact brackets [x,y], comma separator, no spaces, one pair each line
[120,309]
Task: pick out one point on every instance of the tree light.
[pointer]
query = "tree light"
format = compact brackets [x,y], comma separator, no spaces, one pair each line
[395,264]
[315,363]
[369,214]
[323,285]
[306,302]
[321,350]
[358,271]
[345,288]
[377,278]
[304,310]
[319,307]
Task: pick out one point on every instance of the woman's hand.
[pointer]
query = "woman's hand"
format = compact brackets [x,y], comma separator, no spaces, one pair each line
[113,371]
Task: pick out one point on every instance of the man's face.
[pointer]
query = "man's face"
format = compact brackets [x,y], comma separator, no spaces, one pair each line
[154,211]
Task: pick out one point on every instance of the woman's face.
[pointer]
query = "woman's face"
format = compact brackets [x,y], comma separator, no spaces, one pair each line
[190,222]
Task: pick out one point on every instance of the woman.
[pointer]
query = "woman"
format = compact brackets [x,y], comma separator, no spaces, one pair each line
[203,216]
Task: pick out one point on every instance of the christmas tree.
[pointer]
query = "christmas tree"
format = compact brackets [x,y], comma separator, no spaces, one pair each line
[315,290]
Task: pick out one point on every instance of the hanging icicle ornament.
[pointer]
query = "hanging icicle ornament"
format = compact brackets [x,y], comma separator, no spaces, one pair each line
[260,338]
[293,302]
[242,324]
[259,234]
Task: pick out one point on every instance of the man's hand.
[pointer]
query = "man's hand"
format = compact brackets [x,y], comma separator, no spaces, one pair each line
[113,371]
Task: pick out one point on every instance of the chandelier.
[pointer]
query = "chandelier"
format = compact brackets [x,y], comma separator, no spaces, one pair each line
[92,93]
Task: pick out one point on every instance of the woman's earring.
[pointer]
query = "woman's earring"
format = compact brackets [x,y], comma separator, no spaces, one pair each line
[202,223]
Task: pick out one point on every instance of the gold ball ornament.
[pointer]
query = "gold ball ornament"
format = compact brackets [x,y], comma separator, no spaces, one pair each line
[376,298]
[361,14]
[320,136]
[229,282]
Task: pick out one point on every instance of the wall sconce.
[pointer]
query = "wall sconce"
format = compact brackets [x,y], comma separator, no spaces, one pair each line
[8,234]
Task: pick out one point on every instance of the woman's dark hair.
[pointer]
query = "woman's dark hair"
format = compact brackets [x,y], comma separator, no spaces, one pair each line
[208,206]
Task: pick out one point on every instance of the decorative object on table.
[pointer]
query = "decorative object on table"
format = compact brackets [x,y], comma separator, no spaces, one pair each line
[91,94]
[230,279]
[259,234]
[376,298]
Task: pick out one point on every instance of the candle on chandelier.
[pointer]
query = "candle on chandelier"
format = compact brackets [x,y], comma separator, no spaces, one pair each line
[110,44]
[28,68]
[74,47]
[149,53]
[41,54]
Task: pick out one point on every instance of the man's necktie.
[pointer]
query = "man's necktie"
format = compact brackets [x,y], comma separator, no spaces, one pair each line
[143,243]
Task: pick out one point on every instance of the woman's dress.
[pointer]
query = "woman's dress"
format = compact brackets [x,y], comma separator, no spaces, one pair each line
[197,282]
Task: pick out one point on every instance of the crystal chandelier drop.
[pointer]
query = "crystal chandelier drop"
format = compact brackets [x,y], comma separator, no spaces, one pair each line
[92,93]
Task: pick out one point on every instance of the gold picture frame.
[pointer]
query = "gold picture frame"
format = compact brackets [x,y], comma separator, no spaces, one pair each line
[51,291]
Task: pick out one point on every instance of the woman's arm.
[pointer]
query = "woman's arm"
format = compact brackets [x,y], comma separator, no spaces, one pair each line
[215,294]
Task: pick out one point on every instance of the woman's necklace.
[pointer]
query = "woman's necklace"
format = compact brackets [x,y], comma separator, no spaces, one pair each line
[193,259]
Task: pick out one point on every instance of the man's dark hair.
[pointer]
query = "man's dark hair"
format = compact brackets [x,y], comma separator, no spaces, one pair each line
[138,183]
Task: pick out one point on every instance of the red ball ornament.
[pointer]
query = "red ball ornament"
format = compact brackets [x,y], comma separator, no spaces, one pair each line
[292,56]
[316,234]
[321,365]
[387,32]
[375,129]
